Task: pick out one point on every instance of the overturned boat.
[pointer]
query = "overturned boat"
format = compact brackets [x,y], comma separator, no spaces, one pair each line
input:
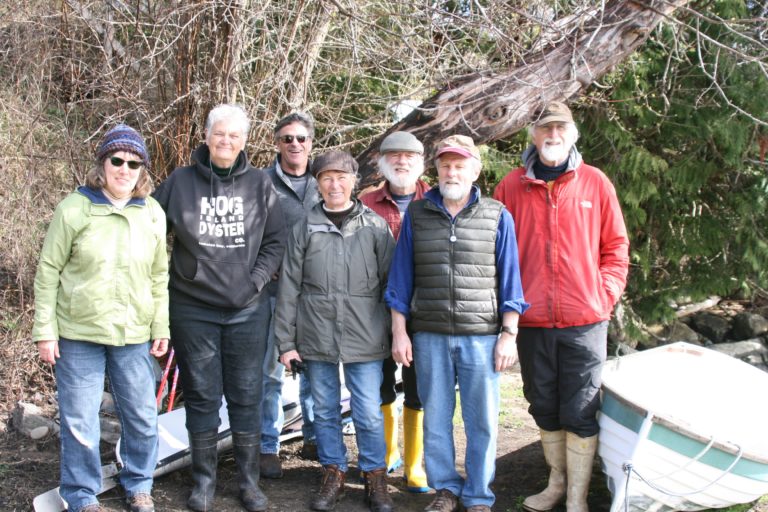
[683,428]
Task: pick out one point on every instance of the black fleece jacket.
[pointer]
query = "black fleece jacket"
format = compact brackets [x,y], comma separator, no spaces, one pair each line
[229,232]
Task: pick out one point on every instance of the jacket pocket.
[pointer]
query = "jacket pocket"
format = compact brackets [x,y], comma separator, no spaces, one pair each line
[87,305]
[145,306]
[221,283]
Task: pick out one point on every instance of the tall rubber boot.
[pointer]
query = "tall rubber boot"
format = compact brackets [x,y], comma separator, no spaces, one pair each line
[246,448]
[579,457]
[413,447]
[392,458]
[553,444]
[205,457]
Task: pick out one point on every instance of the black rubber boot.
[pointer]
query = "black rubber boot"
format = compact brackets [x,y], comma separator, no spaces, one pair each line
[246,448]
[204,461]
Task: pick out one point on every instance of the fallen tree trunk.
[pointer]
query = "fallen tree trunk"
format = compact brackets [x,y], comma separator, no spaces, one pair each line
[492,105]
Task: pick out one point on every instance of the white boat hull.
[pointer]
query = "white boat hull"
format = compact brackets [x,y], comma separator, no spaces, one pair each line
[681,455]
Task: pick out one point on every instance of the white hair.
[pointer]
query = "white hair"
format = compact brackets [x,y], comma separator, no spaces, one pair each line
[228,112]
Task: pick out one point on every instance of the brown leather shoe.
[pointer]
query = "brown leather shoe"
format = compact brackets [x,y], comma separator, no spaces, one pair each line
[376,491]
[141,502]
[331,488]
[270,466]
[445,501]
[478,508]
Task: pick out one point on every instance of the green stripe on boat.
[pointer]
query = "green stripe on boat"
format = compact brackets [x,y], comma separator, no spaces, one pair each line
[679,443]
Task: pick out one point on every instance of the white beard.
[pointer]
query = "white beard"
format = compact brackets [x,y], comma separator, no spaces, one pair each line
[454,192]
[401,180]
[558,153]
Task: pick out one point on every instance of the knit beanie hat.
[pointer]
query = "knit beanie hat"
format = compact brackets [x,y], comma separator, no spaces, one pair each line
[123,138]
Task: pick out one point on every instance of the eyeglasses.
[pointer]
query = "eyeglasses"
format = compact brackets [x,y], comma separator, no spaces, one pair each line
[132,164]
[287,139]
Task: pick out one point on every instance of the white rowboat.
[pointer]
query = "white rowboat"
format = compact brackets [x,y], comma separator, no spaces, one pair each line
[683,428]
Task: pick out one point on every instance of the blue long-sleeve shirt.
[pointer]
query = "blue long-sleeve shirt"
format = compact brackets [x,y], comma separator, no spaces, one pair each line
[400,283]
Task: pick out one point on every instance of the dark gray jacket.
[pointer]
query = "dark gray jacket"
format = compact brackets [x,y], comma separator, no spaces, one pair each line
[294,208]
[330,303]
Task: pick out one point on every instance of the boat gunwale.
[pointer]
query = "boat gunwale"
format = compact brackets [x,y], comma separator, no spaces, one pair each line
[686,431]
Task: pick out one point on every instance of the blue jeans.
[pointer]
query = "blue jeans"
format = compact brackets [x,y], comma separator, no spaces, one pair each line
[444,360]
[272,406]
[220,353]
[363,381]
[80,381]
[307,408]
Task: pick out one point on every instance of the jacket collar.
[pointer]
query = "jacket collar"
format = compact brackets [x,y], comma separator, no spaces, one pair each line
[96,196]
[384,194]
[436,198]
[318,221]
[280,172]
[201,159]
[531,156]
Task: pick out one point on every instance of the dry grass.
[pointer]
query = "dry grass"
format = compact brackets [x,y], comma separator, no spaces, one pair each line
[35,179]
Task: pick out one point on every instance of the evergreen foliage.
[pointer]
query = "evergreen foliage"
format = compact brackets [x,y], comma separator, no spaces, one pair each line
[684,163]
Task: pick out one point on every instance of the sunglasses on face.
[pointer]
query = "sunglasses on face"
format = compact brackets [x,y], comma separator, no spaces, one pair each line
[132,164]
[287,139]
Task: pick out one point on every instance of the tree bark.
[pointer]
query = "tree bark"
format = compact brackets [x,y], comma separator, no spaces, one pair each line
[492,105]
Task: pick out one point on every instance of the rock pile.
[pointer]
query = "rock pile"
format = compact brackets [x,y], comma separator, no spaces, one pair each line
[36,423]
[724,326]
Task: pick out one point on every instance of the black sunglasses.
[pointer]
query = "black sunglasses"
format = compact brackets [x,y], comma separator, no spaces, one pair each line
[132,164]
[287,139]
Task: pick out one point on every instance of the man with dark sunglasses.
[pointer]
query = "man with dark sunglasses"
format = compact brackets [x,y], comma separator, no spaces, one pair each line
[297,194]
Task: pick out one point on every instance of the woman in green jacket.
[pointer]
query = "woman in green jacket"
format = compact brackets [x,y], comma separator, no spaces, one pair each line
[100,296]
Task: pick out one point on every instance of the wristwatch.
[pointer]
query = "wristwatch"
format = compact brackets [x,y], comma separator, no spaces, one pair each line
[508,330]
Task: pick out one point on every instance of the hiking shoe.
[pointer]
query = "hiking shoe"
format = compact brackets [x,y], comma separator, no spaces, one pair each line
[331,488]
[270,466]
[141,502]
[377,492]
[445,501]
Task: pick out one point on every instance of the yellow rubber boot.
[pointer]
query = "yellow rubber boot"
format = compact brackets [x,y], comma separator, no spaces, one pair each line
[392,458]
[413,446]
[579,457]
[553,444]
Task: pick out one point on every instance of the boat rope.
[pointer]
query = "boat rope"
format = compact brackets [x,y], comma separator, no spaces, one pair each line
[690,461]
[629,468]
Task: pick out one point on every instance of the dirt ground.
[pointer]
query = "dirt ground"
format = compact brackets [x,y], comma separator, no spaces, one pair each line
[28,468]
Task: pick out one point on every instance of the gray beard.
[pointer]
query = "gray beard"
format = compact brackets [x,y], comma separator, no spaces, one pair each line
[454,192]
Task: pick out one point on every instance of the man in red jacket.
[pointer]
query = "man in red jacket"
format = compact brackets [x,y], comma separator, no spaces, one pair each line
[401,163]
[573,261]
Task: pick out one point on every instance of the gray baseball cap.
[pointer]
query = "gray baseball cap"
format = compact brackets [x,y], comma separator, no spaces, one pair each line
[401,141]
